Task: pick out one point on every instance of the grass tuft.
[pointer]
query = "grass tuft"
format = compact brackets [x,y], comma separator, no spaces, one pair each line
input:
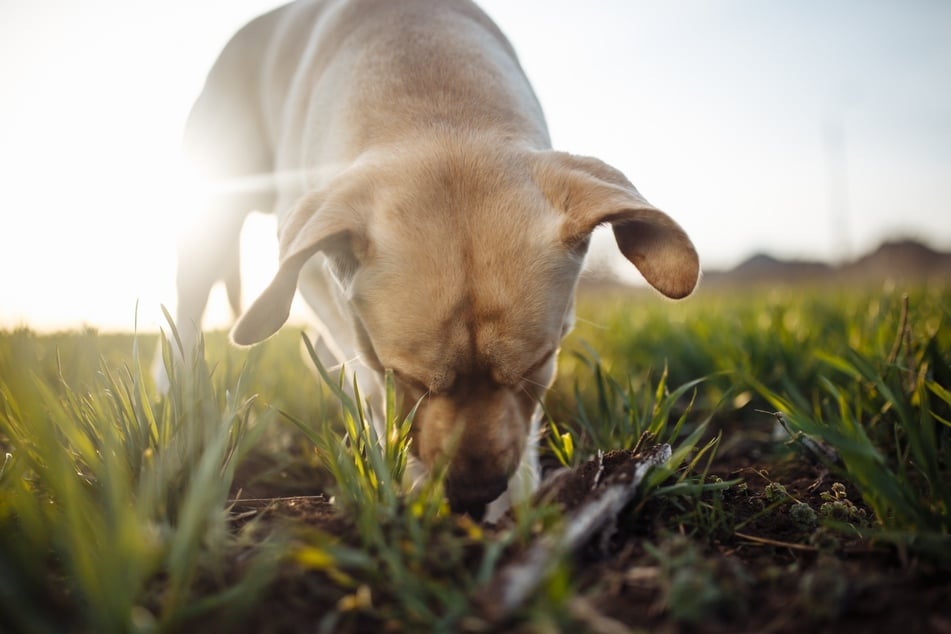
[120,496]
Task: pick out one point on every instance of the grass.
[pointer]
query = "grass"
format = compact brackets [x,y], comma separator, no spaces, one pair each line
[887,421]
[116,503]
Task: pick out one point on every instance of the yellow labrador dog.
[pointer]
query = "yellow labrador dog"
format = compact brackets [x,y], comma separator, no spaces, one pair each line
[422,215]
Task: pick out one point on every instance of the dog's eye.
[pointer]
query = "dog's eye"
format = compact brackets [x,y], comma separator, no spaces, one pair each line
[538,365]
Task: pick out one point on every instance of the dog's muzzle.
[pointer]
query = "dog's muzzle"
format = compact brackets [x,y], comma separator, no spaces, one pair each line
[471,496]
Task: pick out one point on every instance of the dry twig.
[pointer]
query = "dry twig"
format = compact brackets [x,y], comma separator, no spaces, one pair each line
[514,583]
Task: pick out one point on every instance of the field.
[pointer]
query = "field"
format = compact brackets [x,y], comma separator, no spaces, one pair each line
[809,486]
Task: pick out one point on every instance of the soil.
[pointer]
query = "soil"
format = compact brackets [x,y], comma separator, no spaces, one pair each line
[653,568]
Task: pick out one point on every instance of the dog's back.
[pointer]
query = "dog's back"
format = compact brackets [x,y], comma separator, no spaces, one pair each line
[316,83]
[300,92]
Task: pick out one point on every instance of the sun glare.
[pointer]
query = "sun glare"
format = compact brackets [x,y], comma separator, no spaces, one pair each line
[99,222]
[187,198]
[94,100]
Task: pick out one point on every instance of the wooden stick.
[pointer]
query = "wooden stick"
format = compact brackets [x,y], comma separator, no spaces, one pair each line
[514,583]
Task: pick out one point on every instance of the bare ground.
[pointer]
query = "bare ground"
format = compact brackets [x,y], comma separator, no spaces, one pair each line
[757,567]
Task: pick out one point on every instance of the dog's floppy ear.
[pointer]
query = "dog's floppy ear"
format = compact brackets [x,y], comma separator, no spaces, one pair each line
[328,221]
[591,193]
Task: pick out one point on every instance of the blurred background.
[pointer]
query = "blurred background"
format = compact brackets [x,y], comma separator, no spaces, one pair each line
[799,128]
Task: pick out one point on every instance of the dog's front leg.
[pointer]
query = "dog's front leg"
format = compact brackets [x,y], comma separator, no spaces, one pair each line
[208,253]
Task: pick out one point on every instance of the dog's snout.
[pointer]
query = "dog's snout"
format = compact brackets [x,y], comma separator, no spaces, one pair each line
[471,495]
[482,433]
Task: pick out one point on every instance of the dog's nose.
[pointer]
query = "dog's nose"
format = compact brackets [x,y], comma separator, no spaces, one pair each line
[472,495]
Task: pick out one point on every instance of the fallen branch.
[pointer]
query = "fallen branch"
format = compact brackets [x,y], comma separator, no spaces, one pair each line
[611,491]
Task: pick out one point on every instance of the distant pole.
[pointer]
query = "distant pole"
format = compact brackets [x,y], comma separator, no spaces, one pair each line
[837,167]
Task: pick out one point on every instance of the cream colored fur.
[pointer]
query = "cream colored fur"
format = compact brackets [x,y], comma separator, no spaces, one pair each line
[422,214]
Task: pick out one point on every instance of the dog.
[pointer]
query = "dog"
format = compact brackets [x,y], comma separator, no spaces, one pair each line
[422,214]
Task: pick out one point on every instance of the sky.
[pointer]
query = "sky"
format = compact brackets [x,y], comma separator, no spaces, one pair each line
[801,128]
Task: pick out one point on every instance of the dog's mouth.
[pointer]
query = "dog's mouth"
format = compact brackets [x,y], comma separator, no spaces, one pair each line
[475,510]
[471,497]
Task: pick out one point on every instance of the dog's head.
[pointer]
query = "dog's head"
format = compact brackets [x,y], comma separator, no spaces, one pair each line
[459,269]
